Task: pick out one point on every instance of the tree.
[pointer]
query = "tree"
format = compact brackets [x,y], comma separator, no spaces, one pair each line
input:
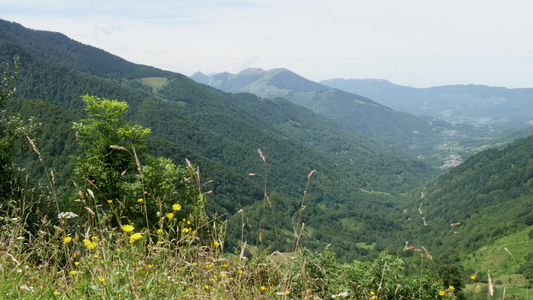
[109,165]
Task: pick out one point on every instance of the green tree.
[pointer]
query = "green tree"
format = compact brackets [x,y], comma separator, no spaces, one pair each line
[109,165]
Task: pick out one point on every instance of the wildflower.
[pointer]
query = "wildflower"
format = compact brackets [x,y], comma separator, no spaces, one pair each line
[478,286]
[110,201]
[56,293]
[135,237]
[73,273]
[206,287]
[150,266]
[160,242]
[216,244]
[473,277]
[76,263]
[287,292]
[101,280]
[140,200]
[89,244]
[67,215]
[95,256]
[159,231]
[184,220]
[94,238]
[170,216]
[127,228]
[195,232]
[224,266]
[263,288]
[176,207]
[67,239]
[240,271]
[452,288]
[222,274]
[441,293]
[185,230]
[188,222]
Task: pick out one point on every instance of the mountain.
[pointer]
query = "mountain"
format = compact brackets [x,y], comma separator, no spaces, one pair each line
[487,197]
[480,105]
[358,176]
[425,138]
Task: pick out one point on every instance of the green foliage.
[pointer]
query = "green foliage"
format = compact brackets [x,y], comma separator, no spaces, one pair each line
[112,149]
[12,128]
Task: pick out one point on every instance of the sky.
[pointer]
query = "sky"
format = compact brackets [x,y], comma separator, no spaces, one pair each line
[418,43]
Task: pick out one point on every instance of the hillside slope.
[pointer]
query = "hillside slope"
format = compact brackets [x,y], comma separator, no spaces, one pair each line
[480,105]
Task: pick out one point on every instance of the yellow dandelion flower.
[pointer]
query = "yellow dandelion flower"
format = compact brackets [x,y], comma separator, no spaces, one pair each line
[473,277]
[73,272]
[95,256]
[110,201]
[240,271]
[206,287]
[195,232]
[101,280]
[77,263]
[263,288]
[140,200]
[160,242]
[372,293]
[67,239]
[216,244]
[188,222]
[184,220]
[224,266]
[287,292]
[94,238]
[159,231]
[170,216]
[91,245]
[452,288]
[127,228]
[441,293]
[150,266]
[194,264]
[134,237]
[185,230]
[222,274]
[56,293]
[86,242]
[176,207]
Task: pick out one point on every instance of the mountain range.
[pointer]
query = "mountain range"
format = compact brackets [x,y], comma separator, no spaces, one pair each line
[369,158]
[497,107]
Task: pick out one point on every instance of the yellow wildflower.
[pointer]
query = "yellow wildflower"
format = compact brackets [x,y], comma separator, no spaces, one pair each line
[101,280]
[109,201]
[452,288]
[67,239]
[473,277]
[73,273]
[263,288]
[185,230]
[176,207]
[140,200]
[216,244]
[134,237]
[127,228]
[56,293]
[170,216]
[77,263]
[159,231]
[441,293]
[287,292]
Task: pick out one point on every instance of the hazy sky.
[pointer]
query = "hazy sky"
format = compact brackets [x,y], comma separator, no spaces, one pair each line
[417,43]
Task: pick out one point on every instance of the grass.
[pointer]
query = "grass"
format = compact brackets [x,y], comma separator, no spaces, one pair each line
[155,82]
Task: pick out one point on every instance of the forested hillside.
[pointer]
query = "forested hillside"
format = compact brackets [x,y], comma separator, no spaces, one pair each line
[221,133]
[268,173]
